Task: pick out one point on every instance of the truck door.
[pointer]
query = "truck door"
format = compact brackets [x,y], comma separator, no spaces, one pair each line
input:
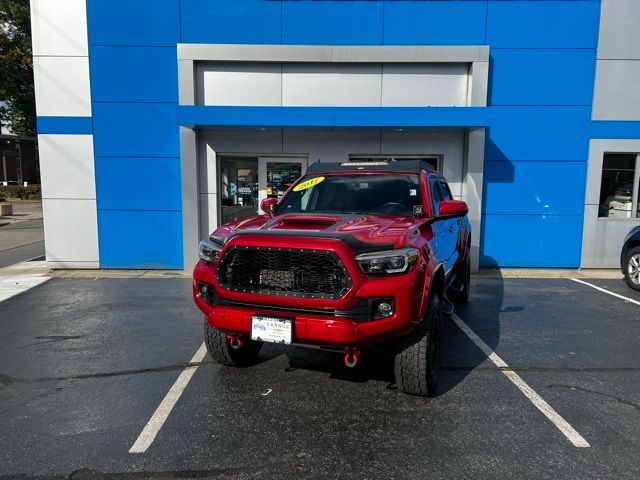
[446,230]
[441,236]
[452,230]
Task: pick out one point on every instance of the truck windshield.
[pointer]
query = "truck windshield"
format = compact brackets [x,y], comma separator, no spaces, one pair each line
[360,193]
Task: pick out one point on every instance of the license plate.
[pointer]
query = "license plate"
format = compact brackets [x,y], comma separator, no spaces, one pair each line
[270,329]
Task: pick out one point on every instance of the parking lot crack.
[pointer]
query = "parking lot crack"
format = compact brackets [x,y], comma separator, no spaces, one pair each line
[8,380]
[596,392]
[229,472]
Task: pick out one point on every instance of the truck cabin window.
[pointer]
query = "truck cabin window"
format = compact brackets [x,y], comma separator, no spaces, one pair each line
[364,193]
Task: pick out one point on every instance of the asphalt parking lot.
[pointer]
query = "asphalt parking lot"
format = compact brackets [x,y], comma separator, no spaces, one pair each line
[84,364]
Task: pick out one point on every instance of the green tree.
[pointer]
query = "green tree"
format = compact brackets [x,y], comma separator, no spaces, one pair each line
[17,99]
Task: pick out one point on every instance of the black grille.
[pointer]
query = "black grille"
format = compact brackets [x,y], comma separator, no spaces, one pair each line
[283,271]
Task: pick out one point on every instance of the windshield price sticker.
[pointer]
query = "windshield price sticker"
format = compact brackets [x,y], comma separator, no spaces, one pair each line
[308,184]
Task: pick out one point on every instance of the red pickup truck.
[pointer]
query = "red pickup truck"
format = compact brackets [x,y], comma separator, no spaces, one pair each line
[354,254]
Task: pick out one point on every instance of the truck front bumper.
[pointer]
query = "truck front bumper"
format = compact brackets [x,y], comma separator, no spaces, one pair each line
[351,325]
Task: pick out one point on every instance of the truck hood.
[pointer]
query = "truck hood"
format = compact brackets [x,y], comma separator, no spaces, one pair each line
[363,232]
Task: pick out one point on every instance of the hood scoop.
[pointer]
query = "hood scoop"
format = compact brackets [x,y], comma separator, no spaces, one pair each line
[302,222]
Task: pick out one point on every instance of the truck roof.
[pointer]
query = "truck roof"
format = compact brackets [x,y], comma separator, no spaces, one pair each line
[403,166]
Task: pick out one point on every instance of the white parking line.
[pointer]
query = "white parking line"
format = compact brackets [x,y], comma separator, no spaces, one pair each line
[155,423]
[574,437]
[606,291]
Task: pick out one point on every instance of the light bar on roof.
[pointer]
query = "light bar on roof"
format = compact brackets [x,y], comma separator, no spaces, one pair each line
[364,163]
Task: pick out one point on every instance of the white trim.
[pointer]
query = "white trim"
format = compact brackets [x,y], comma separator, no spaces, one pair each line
[59,28]
[67,166]
[62,86]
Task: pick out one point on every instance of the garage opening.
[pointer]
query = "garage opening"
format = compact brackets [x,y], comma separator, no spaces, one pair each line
[239,167]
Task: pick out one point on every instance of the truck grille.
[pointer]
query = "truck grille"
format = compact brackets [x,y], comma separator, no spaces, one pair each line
[283,271]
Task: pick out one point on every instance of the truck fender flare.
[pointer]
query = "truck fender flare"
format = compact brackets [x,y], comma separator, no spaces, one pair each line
[436,280]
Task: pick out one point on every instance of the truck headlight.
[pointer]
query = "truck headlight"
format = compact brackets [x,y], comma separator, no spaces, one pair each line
[208,251]
[390,261]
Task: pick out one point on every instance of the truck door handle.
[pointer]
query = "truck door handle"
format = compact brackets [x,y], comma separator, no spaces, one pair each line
[450,228]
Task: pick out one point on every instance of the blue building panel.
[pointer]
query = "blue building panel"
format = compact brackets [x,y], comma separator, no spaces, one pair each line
[140,239]
[542,77]
[534,188]
[552,241]
[333,116]
[231,21]
[133,22]
[64,125]
[156,185]
[434,23]
[615,129]
[135,130]
[538,133]
[356,22]
[134,74]
[543,23]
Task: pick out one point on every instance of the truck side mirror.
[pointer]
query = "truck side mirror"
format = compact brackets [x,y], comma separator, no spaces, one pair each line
[452,209]
[268,205]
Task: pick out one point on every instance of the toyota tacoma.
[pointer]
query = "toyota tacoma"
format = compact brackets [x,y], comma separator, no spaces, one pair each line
[355,254]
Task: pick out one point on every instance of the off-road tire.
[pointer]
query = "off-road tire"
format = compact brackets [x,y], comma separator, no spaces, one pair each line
[220,350]
[634,253]
[417,360]
[463,275]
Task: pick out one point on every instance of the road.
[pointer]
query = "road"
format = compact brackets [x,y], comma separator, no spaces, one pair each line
[21,234]
[21,241]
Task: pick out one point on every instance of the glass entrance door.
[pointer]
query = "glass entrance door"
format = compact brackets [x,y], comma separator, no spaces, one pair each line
[244,181]
[238,188]
[276,174]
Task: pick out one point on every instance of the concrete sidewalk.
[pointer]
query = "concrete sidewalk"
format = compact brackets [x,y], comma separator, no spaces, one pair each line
[21,277]
[601,273]
[486,273]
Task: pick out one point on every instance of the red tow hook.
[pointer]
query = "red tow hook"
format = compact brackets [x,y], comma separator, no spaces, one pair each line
[351,355]
[234,340]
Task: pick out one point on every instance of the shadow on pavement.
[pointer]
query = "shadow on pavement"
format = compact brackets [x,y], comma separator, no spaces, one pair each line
[459,354]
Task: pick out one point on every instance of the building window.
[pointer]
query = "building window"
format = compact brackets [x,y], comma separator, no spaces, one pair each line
[619,189]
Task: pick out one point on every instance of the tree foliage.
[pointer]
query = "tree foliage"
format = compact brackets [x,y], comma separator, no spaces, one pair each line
[17,99]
